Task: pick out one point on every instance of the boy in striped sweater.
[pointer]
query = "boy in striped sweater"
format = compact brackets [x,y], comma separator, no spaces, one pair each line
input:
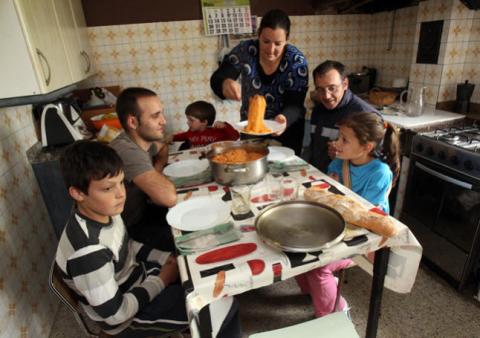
[124,285]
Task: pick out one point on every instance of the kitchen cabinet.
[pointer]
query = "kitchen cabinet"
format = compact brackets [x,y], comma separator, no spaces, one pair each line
[44,46]
[73,29]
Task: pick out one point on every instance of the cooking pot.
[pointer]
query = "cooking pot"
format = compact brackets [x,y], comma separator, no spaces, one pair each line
[380,97]
[300,226]
[242,173]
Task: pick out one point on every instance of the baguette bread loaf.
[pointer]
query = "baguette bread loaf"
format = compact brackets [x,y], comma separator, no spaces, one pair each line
[353,212]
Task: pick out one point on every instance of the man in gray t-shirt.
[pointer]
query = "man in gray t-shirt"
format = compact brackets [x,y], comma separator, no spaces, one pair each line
[141,147]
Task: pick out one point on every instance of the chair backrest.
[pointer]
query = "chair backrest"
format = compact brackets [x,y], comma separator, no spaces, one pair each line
[69,298]
[58,286]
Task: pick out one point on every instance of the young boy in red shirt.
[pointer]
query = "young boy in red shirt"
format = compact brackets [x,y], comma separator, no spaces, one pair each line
[201,127]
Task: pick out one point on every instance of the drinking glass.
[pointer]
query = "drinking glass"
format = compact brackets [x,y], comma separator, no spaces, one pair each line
[289,189]
[240,199]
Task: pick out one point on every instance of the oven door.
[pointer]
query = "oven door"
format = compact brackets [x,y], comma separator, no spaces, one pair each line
[442,208]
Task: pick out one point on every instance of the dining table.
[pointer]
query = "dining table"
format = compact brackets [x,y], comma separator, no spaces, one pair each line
[256,264]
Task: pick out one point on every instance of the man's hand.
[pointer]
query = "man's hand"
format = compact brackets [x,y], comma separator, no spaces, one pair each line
[280,118]
[219,124]
[168,139]
[161,158]
[169,272]
[332,150]
[231,90]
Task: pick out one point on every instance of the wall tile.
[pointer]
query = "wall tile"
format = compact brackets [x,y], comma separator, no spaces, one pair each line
[26,239]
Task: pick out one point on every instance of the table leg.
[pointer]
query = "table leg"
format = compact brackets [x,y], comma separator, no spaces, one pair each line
[380,266]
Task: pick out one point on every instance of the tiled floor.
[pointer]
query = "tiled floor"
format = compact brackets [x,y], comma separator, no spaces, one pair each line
[432,309]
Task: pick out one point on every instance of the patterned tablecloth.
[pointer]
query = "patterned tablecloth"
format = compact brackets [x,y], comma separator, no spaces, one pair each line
[203,281]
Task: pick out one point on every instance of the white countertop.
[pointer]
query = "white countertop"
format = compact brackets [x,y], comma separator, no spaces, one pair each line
[431,116]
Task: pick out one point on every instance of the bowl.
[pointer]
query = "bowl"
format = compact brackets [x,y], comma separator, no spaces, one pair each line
[300,226]
[110,119]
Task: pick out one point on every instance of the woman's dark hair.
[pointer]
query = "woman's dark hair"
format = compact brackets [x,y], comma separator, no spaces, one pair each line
[275,18]
[84,161]
[201,110]
[127,103]
[327,66]
[370,127]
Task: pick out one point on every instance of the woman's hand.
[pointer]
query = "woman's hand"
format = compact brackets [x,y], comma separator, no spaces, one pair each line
[231,90]
[280,118]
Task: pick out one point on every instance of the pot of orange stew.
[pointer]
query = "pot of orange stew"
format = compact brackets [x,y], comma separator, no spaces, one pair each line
[238,162]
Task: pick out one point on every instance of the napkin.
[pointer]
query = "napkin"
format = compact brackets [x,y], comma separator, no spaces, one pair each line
[200,178]
[207,239]
[287,166]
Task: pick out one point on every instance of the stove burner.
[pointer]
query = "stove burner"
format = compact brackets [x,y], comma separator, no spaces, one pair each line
[449,138]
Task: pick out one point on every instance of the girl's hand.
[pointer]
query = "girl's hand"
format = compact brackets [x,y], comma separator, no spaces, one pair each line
[219,124]
[335,176]
[280,118]
[231,90]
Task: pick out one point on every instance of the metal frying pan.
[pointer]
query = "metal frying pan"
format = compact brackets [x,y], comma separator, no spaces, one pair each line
[300,226]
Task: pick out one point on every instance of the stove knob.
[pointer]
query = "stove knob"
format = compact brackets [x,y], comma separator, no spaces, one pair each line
[441,155]
[454,160]
[430,151]
[468,165]
[419,147]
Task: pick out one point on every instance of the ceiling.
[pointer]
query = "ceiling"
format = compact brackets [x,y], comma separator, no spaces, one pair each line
[359,6]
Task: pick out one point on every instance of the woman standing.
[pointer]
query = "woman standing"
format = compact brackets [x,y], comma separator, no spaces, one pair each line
[271,67]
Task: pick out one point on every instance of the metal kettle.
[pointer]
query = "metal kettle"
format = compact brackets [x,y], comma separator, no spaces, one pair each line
[415,101]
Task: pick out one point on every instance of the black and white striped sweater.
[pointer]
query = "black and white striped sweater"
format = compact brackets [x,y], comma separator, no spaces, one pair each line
[113,275]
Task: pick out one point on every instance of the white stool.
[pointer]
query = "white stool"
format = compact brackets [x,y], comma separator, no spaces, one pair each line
[334,325]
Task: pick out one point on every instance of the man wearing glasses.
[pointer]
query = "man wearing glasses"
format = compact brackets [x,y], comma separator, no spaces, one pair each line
[333,102]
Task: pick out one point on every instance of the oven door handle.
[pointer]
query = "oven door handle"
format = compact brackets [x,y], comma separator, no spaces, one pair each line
[444,177]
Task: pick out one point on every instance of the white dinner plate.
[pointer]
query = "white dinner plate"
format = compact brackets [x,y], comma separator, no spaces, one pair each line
[198,213]
[273,125]
[279,153]
[186,168]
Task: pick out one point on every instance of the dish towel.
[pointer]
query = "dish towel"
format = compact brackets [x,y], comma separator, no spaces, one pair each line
[188,181]
[287,166]
[207,239]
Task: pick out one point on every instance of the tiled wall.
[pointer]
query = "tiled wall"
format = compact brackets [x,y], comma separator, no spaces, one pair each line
[176,59]
[459,51]
[26,238]
[391,53]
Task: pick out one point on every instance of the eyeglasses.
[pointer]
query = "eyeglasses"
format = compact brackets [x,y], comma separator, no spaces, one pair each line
[332,89]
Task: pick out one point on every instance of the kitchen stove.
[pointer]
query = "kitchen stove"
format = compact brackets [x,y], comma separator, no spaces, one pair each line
[457,148]
[442,200]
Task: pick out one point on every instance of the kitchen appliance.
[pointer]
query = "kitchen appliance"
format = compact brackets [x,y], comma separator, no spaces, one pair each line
[464,94]
[242,173]
[415,101]
[61,123]
[442,199]
[361,82]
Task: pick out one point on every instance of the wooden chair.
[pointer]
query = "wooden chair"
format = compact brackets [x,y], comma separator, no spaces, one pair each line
[70,299]
[334,325]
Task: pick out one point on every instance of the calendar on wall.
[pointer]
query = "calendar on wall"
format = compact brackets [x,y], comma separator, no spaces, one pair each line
[226,17]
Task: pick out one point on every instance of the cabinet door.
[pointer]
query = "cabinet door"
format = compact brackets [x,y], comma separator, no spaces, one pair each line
[68,31]
[82,36]
[69,14]
[45,43]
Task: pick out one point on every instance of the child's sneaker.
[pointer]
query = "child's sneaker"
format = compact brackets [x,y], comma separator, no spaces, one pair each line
[346,309]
